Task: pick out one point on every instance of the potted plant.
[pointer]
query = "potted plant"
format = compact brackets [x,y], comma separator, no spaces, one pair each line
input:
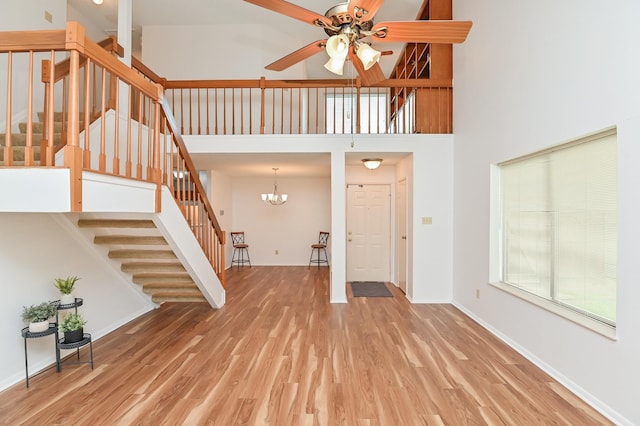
[38,316]
[65,286]
[72,326]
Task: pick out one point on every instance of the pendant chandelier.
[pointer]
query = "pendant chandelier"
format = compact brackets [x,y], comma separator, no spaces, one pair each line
[275,198]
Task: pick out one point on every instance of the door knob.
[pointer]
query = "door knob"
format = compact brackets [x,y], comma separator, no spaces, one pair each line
[349,240]
[404,237]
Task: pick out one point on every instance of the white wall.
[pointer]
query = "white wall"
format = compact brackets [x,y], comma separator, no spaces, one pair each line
[261,45]
[34,250]
[429,187]
[94,26]
[290,228]
[532,75]
[15,16]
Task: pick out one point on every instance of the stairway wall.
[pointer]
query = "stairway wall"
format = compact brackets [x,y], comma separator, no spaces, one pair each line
[35,248]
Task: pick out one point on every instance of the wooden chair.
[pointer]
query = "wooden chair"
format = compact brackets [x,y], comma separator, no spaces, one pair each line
[319,248]
[240,250]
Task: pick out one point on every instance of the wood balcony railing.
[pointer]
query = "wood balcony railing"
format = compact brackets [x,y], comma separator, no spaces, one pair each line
[79,107]
[246,107]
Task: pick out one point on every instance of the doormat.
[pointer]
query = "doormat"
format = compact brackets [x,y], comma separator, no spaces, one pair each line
[370,289]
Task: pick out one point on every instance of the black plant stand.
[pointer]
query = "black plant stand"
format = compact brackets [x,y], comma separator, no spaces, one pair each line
[59,343]
[74,305]
[86,339]
[26,334]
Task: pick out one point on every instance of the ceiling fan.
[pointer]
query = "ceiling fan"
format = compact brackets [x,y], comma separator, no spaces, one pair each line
[349,24]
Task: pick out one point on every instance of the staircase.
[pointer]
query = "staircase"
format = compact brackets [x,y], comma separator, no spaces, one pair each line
[137,245]
[143,253]
[19,140]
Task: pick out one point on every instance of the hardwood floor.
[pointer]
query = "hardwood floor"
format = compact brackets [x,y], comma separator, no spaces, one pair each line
[278,353]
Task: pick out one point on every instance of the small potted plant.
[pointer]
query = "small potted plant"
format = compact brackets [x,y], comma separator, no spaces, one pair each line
[72,326]
[38,316]
[65,286]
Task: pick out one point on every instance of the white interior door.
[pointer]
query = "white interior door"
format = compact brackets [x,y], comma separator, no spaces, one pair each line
[401,217]
[368,232]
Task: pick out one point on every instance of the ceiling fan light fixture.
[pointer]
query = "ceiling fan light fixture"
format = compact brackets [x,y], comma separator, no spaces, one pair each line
[335,65]
[338,46]
[368,55]
[372,163]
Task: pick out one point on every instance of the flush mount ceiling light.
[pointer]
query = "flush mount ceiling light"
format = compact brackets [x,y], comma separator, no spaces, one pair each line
[98,1]
[372,163]
[275,198]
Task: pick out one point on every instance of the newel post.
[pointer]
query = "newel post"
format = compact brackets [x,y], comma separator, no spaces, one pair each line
[74,43]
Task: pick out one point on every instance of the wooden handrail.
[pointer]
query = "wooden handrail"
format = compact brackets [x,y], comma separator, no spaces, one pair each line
[146,71]
[62,68]
[37,41]
[191,168]
[257,84]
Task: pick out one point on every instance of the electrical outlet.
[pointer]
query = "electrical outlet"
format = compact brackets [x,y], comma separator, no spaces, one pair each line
[48,16]
[477,293]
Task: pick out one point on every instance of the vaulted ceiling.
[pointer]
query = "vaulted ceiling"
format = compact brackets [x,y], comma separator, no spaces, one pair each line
[212,12]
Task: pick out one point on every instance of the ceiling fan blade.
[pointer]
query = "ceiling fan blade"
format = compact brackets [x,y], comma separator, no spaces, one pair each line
[369,77]
[364,10]
[422,31]
[291,10]
[297,56]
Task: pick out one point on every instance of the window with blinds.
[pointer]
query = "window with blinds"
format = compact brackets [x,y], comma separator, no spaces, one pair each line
[559,225]
[341,112]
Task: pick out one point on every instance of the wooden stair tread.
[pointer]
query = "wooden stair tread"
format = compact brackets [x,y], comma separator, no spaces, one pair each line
[38,126]
[20,139]
[142,254]
[116,223]
[19,153]
[152,267]
[171,286]
[163,279]
[179,290]
[130,239]
[142,277]
[161,298]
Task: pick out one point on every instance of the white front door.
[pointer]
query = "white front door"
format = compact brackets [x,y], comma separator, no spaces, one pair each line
[368,232]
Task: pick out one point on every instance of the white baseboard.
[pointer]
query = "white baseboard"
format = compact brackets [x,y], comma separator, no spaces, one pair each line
[594,402]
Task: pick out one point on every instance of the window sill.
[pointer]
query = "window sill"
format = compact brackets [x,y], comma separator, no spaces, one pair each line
[584,321]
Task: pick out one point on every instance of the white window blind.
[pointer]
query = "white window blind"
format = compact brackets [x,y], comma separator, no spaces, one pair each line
[559,225]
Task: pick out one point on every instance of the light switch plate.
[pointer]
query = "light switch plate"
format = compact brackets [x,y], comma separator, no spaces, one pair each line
[427,220]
